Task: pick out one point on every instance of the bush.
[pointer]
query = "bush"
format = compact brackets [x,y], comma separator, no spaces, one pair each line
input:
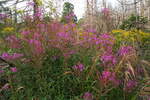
[134,22]
[54,61]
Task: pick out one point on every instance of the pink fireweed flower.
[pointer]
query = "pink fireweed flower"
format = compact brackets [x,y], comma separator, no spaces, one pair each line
[17,55]
[41,27]
[108,76]
[87,96]
[79,67]
[13,42]
[107,39]
[96,40]
[108,58]
[1,71]
[13,69]
[114,80]
[5,56]
[25,32]
[69,17]
[11,56]
[106,36]
[3,16]
[63,35]
[73,25]
[105,11]
[130,85]
[125,50]
[39,13]
[37,46]
[36,36]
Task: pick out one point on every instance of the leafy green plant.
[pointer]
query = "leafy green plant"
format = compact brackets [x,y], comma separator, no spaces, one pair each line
[134,22]
[68,13]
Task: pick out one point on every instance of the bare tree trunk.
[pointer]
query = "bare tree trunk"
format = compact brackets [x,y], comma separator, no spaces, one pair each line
[15,14]
[142,8]
[95,6]
[104,3]
[87,9]
[135,7]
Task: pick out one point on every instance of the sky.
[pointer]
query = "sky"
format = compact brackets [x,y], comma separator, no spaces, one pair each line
[80,5]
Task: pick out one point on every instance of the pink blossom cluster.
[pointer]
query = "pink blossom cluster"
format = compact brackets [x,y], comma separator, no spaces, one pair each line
[69,17]
[13,69]
[63,35]
[3,16]
[108,58]
[13,42]
[79,67]
[125,50]
[37,46]
[108,77]
[105,11]
[107,39]
[87,96]
[13,56]
[25,32]
[130,85]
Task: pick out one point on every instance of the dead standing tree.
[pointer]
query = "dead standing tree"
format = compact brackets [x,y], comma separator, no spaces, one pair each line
[91,7]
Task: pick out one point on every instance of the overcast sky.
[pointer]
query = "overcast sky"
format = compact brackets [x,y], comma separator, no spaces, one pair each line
[79,6]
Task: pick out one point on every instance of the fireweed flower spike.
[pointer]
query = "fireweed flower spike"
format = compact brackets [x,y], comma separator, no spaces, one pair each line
[5,56]
[38,49]
[125,50]
[1,71]
[3,16]
[105,11]
[130,85]
[13,42]
[108,77]
[87,96]
[13,69]
[11,56]
[79,67]
[108,58]
[25,32]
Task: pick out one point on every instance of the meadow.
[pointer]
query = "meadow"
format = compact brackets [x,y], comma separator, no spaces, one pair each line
[52,59]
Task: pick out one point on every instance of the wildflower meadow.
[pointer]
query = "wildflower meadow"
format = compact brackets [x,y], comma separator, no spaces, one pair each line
[44,56]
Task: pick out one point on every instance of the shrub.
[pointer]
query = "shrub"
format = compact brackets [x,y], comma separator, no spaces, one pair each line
[134,22]
[61,62]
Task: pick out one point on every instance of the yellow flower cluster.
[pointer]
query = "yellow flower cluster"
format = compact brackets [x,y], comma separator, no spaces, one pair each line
[132,35]
[8,29]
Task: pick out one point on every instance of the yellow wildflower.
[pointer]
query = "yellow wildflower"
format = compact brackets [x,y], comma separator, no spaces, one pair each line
[118,31]
[126,34]
[8,29]
[90,33]
[80,33]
